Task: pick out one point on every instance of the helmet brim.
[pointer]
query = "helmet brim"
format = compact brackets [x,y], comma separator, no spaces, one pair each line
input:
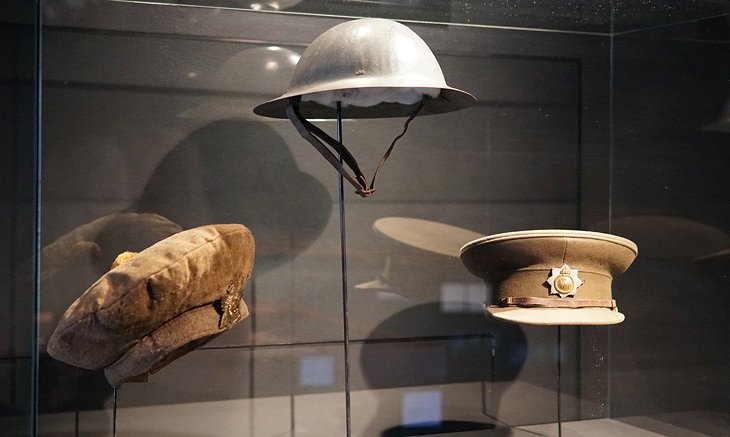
[448,100]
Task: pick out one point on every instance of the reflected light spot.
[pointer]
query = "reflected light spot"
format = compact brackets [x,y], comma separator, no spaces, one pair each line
[363,31]
[463,297]
[421,408]
[294,59]
[273,48]
[272,65]
[192,75]
[317,371]
[256,6]
[404,49]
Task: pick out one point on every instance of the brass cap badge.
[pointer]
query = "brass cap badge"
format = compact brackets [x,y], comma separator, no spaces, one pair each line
[564,281]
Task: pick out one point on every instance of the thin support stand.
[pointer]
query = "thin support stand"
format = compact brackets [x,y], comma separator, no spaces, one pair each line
[560,370]
[114,415]
[343,254]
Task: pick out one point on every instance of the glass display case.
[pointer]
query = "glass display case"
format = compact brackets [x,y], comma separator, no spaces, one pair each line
[608,116]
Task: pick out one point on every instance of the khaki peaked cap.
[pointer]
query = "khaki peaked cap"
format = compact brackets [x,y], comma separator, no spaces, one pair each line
[165,301]
[551,276]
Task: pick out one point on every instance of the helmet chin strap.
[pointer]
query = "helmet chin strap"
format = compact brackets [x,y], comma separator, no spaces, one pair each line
[315,136]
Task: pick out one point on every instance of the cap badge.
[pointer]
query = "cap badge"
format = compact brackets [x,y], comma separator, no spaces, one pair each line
[564,281]
[230,304]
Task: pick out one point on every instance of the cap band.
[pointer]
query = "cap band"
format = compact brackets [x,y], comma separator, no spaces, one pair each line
[556,303]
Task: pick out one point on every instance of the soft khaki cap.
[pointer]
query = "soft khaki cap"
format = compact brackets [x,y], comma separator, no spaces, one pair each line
[163,302]
[551,277]
[76,259]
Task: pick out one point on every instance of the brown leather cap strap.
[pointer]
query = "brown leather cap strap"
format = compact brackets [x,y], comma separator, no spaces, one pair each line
[315,136]
[556,303]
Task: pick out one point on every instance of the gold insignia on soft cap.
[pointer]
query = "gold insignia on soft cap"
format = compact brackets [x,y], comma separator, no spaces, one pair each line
[564,281]
[122,258]
[230,305]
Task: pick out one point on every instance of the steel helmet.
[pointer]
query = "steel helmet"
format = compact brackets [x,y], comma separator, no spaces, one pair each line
[360,61]
[367,68]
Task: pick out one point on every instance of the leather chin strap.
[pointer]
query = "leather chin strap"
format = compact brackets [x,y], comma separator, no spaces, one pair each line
[556,303]
[315,136]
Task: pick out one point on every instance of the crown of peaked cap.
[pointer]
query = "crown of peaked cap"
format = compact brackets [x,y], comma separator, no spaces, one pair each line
[551,277]
[164,301]
[372,55]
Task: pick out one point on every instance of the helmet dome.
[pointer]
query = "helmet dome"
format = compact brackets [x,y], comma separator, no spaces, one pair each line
[375,67]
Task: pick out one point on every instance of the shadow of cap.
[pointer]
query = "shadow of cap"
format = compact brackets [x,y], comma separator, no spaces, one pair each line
[239,171]
[397,354]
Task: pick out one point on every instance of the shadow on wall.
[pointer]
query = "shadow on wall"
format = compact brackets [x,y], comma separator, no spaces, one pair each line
[239,171]
[495,356]
[671,189]
[438,339]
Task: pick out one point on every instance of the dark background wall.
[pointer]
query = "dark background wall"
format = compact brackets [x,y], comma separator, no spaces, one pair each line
[18,133]
[671,193]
